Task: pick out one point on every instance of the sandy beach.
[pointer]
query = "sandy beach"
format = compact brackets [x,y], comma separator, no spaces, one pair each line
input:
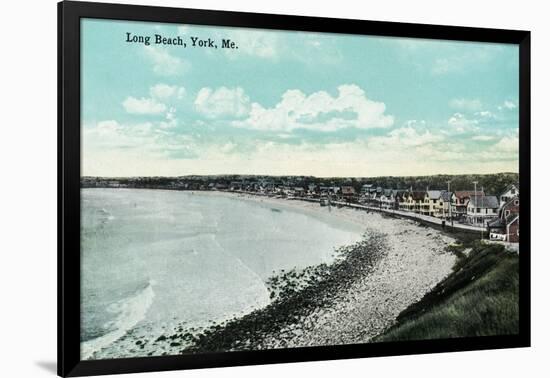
[352,300]
[415,261]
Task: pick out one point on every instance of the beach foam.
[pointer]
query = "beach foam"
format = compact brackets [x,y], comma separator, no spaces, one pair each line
[415,260]
[210,256]
[129,312]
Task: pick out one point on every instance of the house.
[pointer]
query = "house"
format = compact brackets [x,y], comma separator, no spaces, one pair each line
[254,186]
[505,230]
[510,207]
[348,192]
[510,192]
[375,199]
[481,209]
[236,185]
[221,186]
[415,201]
[299,191]
[401,199]
[506,226]
[418,198]
[113,184]
[387,199]
[396,198]
[446,199]
[312,189]
[374,196]
[287,190]
[406,202]
[459,201]
[331,191]
[512,228]
[433,206]
[365,189]
[266,186]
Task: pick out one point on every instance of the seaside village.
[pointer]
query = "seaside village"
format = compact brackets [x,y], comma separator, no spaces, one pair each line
[496,215]
[466,209]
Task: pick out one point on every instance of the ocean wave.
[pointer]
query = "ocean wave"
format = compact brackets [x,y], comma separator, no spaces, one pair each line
[130,311]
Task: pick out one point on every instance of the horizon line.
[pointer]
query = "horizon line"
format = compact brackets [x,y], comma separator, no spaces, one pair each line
[323,177]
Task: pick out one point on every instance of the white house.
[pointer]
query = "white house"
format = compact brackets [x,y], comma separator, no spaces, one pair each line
[510,192]
[387,199]
[481,209]
[433,204]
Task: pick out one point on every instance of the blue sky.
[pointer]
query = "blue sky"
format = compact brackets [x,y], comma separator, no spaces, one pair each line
[289,103]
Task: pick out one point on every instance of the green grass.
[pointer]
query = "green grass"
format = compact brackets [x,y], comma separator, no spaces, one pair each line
[480,298]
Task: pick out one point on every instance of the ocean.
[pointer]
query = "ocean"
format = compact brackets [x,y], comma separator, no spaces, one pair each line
[152,260]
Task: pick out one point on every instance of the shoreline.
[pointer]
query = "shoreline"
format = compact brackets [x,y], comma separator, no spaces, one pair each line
[413,261]
[398,262]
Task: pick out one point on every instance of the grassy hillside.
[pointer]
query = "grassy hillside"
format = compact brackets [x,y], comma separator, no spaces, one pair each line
[479,298]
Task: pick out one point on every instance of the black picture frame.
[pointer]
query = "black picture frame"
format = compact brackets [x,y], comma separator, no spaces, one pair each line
[69,15]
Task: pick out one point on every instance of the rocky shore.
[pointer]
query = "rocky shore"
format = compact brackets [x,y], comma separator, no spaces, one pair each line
[299,298]
[351,300]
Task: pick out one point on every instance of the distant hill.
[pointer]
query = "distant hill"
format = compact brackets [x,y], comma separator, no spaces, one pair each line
[491,183]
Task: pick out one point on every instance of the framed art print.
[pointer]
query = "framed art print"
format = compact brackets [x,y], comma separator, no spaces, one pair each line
[239,188]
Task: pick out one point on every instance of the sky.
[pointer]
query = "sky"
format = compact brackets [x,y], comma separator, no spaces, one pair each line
[293,103]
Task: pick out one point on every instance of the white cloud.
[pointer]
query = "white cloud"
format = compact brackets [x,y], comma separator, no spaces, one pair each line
[112,149]
[164,91]
[415,123]
[507,144]
[143,105]
[107,128]
[485,114]
[483,138]
[319,111]
[141,141]
[403,138]
[509,105]
[165,64]
[461,124]
[422,156]
[171,120]
[222,101]
[108,125]
[111,134]
[465,104]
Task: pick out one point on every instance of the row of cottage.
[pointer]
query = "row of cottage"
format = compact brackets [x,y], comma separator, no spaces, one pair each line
[499,214]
